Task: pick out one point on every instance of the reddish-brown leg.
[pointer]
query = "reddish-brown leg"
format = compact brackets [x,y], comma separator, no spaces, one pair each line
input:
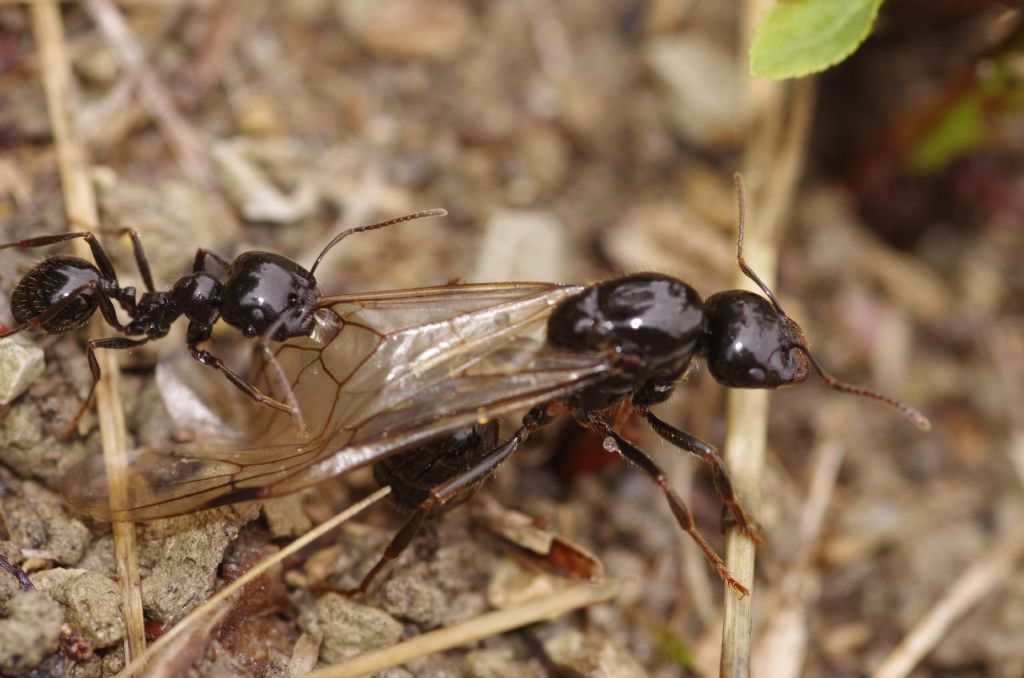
[708,454]
[633,454]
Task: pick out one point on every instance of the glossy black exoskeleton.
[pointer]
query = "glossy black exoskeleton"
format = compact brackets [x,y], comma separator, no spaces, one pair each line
[652,326]
[414,474]
[262,294]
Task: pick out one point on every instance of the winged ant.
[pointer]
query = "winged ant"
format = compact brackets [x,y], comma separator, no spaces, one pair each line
[262,294]
[413,381]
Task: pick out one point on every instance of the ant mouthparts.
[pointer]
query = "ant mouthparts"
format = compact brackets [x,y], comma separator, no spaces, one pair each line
[918,419]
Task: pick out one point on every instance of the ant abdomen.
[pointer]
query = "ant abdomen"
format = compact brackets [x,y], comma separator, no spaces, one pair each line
[52,282]
[413,475]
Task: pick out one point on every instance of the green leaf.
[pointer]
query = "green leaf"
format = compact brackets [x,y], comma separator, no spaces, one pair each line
[960,131]
[798,37]
[672,645]
[964,126]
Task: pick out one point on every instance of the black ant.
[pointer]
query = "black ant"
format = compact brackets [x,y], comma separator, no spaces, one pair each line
[264,295]
[650,326]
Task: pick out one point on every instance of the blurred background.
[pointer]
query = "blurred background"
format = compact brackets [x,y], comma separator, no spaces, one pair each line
[574,141]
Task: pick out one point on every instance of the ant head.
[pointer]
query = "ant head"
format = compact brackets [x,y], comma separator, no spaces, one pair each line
[748,343]
[752,343]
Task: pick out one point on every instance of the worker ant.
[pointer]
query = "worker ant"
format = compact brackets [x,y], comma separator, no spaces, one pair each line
[263,294]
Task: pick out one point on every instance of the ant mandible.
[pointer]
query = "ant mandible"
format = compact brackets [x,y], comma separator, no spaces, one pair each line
[264,295]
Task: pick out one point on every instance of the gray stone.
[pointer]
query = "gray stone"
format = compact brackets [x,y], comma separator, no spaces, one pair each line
[182,555]
[30,632]
[348,628]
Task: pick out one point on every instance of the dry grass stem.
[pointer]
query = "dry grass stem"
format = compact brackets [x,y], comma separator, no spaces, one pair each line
[484,626]
[80,205]
[778,129]
[781,649]
[969,589]
[184,141]
[199,615]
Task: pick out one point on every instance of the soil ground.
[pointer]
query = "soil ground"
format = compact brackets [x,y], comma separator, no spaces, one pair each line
[569,141]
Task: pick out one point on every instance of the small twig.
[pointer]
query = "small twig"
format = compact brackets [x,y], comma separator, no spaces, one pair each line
[471,630]
[184,141]
[80,205]
[972,586]
[197,616]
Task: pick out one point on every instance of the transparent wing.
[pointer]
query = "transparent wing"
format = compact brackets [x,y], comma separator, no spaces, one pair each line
[382,374]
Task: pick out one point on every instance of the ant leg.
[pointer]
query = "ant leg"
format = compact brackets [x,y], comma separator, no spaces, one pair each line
[633,454]
[270,360]
[201,256]
[141,260]
[708,454]
[94,367]
[451,490]
[23,581]
[98,253]
[210,360]
[8,331]
[109,314]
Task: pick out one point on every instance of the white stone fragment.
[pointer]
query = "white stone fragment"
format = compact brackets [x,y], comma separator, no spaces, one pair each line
[699,74]
[251,190]
[521,245]
[20,363]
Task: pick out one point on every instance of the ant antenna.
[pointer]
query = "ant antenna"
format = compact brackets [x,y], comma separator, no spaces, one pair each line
[741,200]
[918,419]
[372,227]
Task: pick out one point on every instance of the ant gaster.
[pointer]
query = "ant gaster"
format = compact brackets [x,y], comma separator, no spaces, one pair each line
[263,294]
[651,326]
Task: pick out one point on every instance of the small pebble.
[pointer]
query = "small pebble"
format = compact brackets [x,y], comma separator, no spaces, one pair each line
[30,632]
[513,585]
[20,363]
[408,29]
[579,654]
[184,555]
[686,62]
[521,245]
[348,628]
[92,602]
[285,516]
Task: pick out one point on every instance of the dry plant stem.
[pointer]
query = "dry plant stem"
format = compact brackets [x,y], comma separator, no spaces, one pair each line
[776,167]
[81,208]
[471,630]
[184,141]
[198,615]
[129,54]
[778,130]
[781,647]
[970,588]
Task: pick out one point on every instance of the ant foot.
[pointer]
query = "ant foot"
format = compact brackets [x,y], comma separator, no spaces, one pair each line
[744,524]
[727,577]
